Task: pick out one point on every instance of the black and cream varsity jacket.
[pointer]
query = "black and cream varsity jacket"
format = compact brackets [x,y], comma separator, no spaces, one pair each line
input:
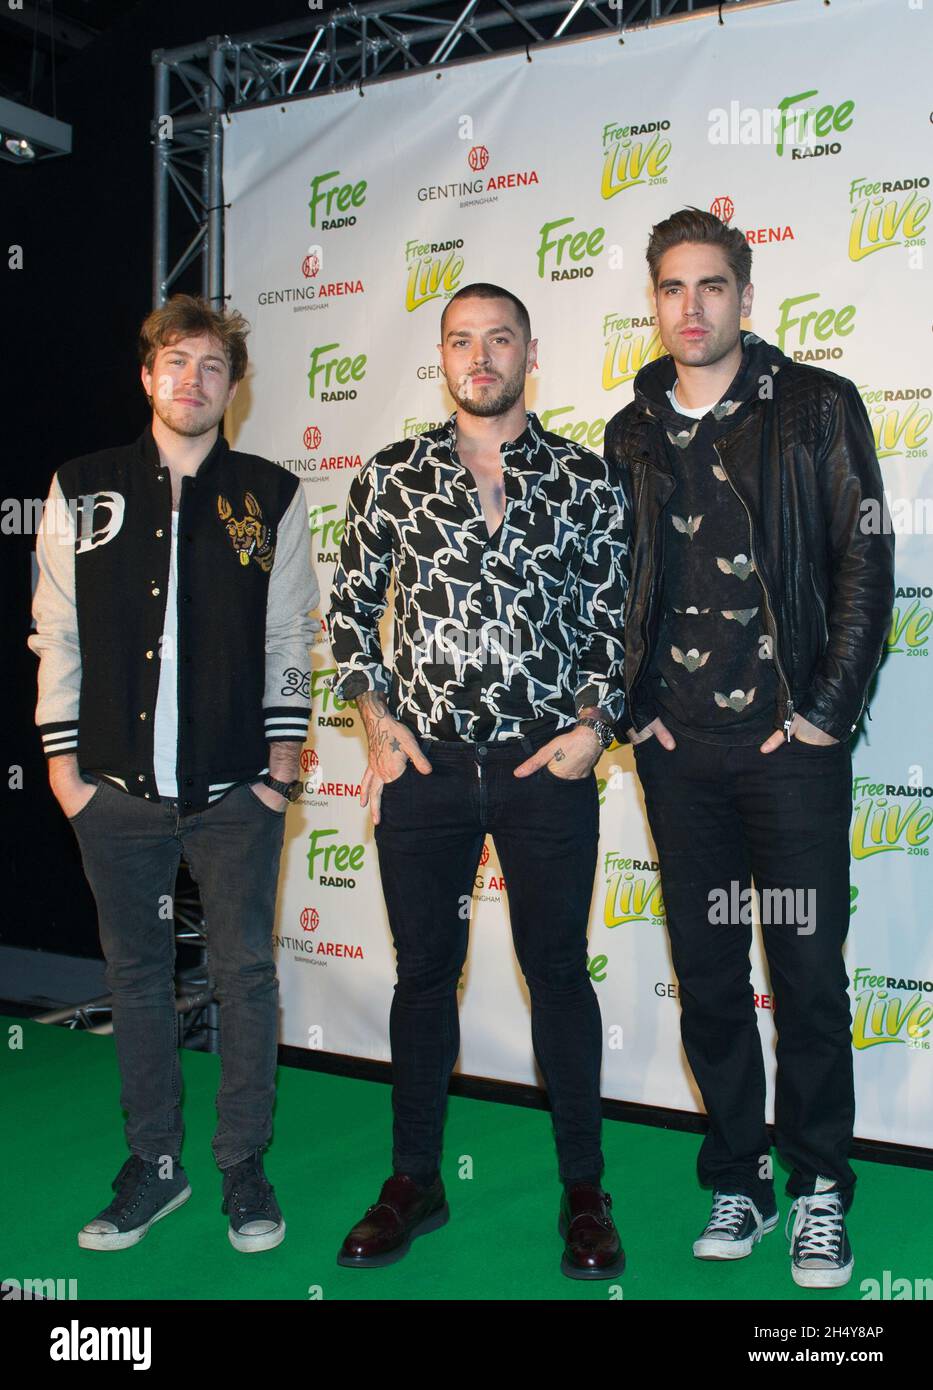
[245,588]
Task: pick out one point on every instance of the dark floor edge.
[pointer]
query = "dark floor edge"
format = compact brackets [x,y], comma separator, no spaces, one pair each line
[535,1098]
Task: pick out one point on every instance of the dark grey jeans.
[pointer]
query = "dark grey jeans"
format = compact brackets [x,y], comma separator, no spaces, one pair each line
[131,850]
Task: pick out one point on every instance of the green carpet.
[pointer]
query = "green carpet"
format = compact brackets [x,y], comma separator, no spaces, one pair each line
[64,1144]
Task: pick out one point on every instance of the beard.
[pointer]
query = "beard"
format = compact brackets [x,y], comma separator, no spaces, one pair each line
[189,426]
[487,401]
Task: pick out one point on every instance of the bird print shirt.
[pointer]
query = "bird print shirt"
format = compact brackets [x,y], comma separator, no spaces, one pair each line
[713,669]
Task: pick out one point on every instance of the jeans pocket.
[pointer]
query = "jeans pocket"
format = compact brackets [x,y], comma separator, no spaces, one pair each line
[564,781]
[279,815]
[817,747]
[401,777]
[95,794]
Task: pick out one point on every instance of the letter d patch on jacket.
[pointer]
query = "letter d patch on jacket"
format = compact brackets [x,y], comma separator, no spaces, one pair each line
[94,530]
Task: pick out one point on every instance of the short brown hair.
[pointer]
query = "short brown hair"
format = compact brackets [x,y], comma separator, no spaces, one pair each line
[188,316]
[692,224]
[483,290]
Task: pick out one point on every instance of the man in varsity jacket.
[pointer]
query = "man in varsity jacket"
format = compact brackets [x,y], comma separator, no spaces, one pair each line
[172,629]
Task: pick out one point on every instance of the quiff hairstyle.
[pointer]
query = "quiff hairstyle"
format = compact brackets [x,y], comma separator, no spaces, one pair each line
[481,290]
[190,316]
[692,224]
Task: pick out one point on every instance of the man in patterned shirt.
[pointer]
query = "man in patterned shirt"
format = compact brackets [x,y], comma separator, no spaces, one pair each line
[507,546]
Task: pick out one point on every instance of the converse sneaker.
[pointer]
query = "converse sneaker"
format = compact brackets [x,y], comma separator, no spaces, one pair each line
[734,1228]
[142,1196]
[821,1257]
[255,1219]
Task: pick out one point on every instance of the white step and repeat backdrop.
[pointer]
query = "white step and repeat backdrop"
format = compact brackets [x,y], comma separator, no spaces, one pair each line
[351,219]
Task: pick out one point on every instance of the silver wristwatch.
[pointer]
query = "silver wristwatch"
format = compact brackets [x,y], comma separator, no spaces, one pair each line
[602,731]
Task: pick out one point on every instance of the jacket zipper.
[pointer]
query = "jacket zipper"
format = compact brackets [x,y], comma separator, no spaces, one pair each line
[644,625]
[774,634]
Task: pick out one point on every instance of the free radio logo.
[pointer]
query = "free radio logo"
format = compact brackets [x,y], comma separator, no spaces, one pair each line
[566,252]
[809,330]
[333,713]
[331,201]
[331,861]
[330,373]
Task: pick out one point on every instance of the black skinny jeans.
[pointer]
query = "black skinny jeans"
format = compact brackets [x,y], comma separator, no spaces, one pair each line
[429,839]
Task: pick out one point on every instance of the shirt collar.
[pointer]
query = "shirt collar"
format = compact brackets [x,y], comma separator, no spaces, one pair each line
[520,453]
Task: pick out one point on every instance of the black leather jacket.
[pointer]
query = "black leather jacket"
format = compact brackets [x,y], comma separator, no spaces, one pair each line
[803,463]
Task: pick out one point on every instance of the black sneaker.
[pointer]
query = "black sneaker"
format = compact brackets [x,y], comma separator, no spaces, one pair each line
[734,1228]
[255,1219]
[142,1197]
[821,1256]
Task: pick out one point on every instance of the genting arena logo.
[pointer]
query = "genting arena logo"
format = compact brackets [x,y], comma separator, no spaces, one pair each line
[310,919]
[484,856]
[478,158]
[723,208]
[312,437]
[311,265]
[309,759]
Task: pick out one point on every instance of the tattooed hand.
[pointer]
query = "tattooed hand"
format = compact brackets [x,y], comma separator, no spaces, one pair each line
[571,756]
[391,745]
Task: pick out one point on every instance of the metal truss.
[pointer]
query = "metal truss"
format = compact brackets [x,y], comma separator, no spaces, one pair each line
[356,45]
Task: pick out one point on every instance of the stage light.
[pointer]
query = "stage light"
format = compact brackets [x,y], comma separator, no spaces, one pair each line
[28,135]
[21,149]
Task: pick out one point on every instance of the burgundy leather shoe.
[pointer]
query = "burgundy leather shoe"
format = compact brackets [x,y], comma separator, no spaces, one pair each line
[591,1242]
[388,1228]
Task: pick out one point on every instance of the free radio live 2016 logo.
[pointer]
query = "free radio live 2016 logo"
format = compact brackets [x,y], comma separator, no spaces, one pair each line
[633,891]
[633,155]
[900,420]
[891,1009]
[886,213]
[911,620]
[891,817]
[630,342]
[434,270]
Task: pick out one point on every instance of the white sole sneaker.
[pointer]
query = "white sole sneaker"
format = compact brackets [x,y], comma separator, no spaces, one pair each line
[248,1245]
[710,1248]
[89,1239]
[823,1278]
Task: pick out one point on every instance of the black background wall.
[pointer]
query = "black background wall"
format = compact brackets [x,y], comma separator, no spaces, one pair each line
[69,375]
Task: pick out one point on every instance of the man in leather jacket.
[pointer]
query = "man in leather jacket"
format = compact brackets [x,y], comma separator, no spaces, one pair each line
[759,602]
